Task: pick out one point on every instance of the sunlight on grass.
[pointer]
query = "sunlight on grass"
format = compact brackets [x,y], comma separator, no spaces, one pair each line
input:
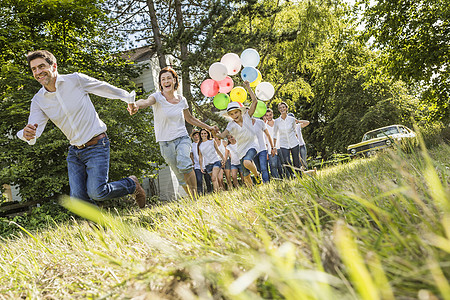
[375,228]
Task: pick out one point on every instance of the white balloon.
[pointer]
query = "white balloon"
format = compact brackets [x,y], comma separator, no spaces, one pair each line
[218,71]
[250,57]
[264,91]
[232,62]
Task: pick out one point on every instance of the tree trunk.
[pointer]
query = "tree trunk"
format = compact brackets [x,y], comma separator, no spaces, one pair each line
[186,82]
[156,34]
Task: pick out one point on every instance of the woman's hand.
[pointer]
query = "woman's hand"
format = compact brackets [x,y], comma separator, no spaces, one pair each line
[132,108]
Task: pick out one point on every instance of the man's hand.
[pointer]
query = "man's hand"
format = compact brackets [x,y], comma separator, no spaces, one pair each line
[132,108]
[29,132]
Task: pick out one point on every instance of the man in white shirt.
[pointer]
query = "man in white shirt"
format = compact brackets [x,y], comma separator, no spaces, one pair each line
[64,99]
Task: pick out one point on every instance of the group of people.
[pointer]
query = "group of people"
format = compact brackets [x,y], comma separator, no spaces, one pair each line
[251,144]
[215,159]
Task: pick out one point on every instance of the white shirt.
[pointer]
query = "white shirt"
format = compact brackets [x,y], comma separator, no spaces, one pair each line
[234,154]
[169,118]
[71,109]
[259,128]
[298,130]
[194,151]
[221,147]
[271,133]
[285,131]
[244,135]
[208,152]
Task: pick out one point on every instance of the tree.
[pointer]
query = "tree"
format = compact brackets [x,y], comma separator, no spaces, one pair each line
[353,94]
[72,31]
[415,35]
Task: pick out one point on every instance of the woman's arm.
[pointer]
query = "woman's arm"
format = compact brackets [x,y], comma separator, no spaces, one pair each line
[223,134]
[302,123]
[196,122]
[143,103]
[200,160]
[218,151]
[252,107]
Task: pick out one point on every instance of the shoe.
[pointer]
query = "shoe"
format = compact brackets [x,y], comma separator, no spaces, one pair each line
[139,194]
[258,180]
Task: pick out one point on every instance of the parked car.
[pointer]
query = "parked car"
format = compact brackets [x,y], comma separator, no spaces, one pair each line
[382,138]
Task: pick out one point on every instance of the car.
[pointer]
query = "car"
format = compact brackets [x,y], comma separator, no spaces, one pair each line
[381,138]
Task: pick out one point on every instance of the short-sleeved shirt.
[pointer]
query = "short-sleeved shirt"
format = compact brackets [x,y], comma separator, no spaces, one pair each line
[271,133]
[169,118]
[259,128]
[298,129]
[244,135]
[194,151]
[208,152]
[285,131]
[234,154]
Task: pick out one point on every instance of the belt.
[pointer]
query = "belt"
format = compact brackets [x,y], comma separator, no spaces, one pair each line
[92,141]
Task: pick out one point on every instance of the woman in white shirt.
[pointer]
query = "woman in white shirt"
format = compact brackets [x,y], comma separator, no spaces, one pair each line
[298,129]
[210,156]
[285,136]
[170,111]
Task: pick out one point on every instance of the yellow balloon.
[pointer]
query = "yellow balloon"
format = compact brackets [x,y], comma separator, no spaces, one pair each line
[257,80]
[238,94]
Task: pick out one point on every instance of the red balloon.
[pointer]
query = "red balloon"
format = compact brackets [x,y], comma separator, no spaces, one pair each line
[226,85]
[209,88]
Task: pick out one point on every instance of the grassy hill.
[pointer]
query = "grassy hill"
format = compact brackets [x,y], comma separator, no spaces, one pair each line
[375,228]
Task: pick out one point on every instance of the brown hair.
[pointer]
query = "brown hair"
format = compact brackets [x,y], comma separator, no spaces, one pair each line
[47,55]
[170,70]
[287,106]
[200,142]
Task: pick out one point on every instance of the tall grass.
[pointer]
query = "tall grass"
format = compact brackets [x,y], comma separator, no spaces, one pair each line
[375,228]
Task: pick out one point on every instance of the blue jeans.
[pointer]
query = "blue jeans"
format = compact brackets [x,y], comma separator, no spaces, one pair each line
[88,174]
[200,176]
[250,155]
[275,166]
[286,160]
[303,156]
[261,164]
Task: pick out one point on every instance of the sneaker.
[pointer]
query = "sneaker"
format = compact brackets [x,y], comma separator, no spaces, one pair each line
[258,180]
[139,194]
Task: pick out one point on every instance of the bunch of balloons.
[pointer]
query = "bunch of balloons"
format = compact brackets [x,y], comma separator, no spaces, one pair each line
[220,83]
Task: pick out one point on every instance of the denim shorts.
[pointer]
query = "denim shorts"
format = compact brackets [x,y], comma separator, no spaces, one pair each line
[251,153]
[177,154]
[228,164]
[236,167]
[209,168]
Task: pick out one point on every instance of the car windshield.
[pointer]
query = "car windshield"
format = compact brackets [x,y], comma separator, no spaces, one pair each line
[381,133]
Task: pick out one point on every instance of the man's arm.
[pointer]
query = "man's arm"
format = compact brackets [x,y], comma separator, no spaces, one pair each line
[36,124]
[252,107]
[104,89]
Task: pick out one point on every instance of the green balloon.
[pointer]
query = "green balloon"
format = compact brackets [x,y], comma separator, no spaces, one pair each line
[260,110]
[221,101]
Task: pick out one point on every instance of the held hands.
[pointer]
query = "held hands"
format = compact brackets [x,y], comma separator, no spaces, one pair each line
[132,108]
[29,132]
[274,151]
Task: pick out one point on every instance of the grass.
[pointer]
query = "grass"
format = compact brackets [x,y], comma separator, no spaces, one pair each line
[375,228]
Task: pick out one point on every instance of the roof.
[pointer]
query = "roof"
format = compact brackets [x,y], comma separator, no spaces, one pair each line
[139,54]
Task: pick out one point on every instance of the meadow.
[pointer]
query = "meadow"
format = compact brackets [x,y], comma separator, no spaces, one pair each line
[373,228]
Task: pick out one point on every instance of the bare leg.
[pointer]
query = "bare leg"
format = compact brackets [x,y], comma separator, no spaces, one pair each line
[248,181]
[248,164]
[214,178]
[228,177]
[191,184]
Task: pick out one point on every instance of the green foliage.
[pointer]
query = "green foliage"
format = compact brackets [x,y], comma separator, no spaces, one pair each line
[354,94]
[72,30]
[415,36]
[39,218]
